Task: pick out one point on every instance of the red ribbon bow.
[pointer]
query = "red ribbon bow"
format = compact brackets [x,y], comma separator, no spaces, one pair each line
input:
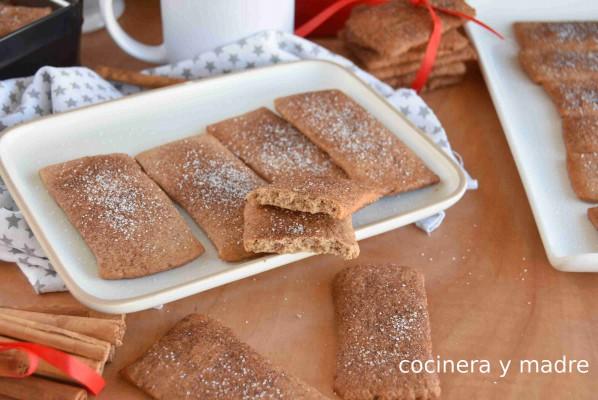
[62,361]
[433,42]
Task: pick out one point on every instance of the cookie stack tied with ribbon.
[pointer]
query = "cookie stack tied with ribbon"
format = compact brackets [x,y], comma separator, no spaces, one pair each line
[391,41]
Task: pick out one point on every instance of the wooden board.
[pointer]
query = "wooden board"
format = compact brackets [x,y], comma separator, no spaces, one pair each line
[491,291]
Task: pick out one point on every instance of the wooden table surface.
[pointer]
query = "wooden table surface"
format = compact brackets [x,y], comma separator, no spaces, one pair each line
[492,293]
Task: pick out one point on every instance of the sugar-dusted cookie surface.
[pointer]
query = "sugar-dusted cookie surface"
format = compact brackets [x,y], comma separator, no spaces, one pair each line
[336,197]
[201,359]
[14,17]
[557,65]
[573,35]
[574,97]
[593,216]
[277,230]
[210,183]
[382,319]
[583,174]
[451,42]
[397,26]
[128,222]
[581,133]
[364,148]
[272,147]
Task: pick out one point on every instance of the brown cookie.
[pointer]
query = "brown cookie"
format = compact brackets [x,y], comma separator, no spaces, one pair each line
[382,319]
[572,35]
[558,65]
[201,359]
[453,59]
[395,27]
[451,42]
[583,174]
[129,224]
[581,134]
[444,71]
[593,216]
[272,147]
[276,230]
[574,97]
[366,150]
[336,197]
[210,183]
[13,18]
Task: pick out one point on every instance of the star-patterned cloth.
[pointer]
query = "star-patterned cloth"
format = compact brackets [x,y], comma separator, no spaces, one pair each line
[53,90]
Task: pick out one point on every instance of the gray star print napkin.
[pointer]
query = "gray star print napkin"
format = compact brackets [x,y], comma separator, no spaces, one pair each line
[53,90]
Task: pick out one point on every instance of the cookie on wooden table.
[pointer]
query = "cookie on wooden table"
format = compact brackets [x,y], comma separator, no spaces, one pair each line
[382,319]
[593,216]
[574,97]
[583,174]
[210,183]
[276,230]
[394,27]
[336,197]
[581,134]
[128,222]
[455,59]
[364,148]
[580,35]
[201,359]
[272,147]
[558,65]
[451,42]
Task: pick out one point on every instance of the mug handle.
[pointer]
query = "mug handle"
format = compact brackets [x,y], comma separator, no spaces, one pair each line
[154,54]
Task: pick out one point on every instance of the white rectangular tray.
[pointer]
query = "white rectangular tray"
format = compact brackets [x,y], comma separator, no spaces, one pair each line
[142,121]
[533,128]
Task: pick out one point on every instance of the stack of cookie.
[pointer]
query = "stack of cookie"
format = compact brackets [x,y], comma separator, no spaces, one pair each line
[389,41]
[563,58]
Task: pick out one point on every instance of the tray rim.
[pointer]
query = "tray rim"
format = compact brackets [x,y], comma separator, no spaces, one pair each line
[176,292]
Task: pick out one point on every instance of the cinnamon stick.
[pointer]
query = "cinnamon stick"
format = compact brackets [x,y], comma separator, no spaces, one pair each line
[39,389]
[109,330]
[61,339]
[15,362]
[136,78]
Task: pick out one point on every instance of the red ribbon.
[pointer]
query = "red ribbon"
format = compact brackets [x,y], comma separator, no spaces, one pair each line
[62,361]
[433,42]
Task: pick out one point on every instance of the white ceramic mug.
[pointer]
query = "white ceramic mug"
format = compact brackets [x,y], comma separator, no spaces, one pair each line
[193,26]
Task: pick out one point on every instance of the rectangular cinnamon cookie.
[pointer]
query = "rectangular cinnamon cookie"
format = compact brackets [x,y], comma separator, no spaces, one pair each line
[272,147]
[573,35]
[455,60]
[201,359]
[276,230]
[394,27]
[13,18]
[364,148]
[558,65]
[442,71]
[593,216]
[381,320]
[451,42]
[128,222]
[574,97]
[210,183]
[583,174]
[581,133]
[336,197]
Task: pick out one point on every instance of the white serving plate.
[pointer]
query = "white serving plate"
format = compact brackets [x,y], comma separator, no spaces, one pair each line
[533,128]
[139,122]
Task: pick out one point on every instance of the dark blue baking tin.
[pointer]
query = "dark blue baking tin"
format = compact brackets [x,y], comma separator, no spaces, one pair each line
[53,40]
